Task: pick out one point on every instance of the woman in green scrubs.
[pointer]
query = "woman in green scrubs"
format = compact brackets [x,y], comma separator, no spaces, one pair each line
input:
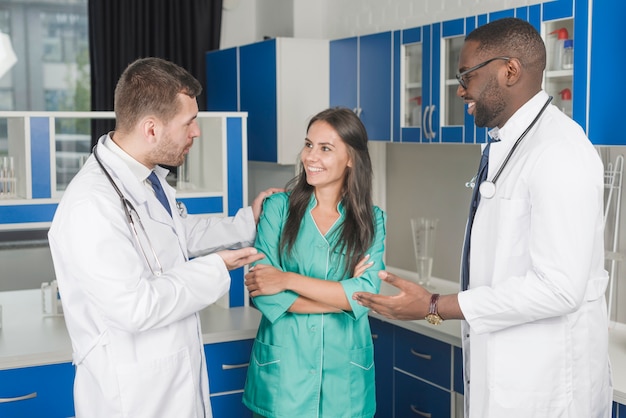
[323,240]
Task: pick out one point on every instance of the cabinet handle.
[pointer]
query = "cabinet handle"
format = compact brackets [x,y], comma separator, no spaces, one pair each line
[357,111]
[19,398]
[374,336]
[234,366]
[424,116]
[430,122]
[420,413]
[420,355]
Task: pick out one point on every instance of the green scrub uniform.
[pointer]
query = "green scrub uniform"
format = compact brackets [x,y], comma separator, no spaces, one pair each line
[312,365]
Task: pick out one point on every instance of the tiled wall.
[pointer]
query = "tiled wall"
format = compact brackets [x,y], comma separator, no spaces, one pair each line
[250,20]
[357,17]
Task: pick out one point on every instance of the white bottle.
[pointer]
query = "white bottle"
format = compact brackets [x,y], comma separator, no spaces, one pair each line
[567,62]
[562,36]
[566,102]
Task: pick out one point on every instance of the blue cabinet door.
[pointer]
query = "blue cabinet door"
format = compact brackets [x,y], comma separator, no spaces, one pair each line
[361,80]
[382,337]
[344,73]
[52,386]
[221,80]
[605,104]
[431,74]
[257,83]
[375,85]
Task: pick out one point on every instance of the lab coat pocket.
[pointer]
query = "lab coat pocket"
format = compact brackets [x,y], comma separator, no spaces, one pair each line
[513,226]
[362,375]
[266,376]
[530,367]
[169,375]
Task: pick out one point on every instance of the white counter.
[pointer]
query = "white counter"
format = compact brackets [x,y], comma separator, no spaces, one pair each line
[28,338]
[450,331]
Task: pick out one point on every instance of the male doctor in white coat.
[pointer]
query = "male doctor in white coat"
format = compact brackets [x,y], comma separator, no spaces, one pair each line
[535,329]
[131,299]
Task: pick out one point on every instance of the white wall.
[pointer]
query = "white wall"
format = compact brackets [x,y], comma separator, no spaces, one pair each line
[249,20]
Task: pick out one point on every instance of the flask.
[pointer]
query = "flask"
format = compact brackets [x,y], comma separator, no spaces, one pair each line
[568,55]
[566,101]
[562,36]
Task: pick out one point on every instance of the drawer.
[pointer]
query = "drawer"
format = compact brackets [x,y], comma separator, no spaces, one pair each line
[229,406]
[49,391]
[416,398]
[423,356]
[227,364]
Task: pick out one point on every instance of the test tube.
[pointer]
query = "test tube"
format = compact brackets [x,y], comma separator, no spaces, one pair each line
[12,179]
[4,176]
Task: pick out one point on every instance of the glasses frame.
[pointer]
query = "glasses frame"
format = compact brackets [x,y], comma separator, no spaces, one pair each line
[459,76]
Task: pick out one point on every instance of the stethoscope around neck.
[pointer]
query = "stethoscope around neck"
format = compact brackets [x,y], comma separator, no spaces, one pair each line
[133,219]
[487,188]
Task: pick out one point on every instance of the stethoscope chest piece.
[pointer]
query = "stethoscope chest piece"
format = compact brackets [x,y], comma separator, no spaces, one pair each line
[487,189]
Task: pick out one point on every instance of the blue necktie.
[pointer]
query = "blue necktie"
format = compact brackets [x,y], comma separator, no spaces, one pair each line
[158,190]
[480,177]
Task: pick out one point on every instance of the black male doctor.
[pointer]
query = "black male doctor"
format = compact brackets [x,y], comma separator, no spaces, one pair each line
[535,328]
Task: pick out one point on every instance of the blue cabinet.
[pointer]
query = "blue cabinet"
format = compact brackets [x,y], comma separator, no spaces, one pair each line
[423,369]
[361,79]
[227,364]
[382,337]
[442,116]
[604,102]
[37,391]
[412,92]
[416,375]
[280,82]
[221,80]
[417,398]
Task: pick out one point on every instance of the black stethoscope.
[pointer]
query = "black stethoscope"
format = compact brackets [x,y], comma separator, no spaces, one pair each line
[487,188]
[132,216]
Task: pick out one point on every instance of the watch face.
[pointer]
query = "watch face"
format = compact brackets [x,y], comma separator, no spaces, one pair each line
[434,319]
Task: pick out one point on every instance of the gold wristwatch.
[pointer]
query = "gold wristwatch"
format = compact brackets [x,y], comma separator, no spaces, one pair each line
[433,316]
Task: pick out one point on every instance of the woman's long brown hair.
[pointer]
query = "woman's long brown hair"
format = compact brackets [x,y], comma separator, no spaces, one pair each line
[357,229]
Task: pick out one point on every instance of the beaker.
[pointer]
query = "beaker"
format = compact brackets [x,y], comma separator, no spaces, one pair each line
[423,231]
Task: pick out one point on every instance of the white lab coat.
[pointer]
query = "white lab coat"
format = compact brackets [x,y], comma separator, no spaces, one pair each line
[136,338]
[535,338]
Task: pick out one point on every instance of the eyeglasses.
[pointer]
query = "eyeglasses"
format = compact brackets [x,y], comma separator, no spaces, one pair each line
[461,76]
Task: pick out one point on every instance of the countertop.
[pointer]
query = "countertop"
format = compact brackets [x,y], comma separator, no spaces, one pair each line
[450,331]
[28,338]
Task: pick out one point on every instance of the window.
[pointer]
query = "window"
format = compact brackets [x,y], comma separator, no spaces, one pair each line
[51,41]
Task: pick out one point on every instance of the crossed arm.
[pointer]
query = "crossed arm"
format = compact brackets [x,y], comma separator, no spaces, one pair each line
[314,295]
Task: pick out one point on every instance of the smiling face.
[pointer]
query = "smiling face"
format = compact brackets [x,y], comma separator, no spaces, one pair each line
[484,95]
[176,137]
[325,157]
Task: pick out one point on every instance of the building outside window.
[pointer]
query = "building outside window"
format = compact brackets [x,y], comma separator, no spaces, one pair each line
[51,41]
